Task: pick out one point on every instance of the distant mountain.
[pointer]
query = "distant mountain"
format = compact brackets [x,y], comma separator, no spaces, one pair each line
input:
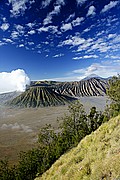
[53,93]
[4,97]
[92,76]
[95,76]
[90,87]
[38,96]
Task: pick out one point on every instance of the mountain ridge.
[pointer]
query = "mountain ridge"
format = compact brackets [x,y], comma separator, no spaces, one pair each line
[40,93]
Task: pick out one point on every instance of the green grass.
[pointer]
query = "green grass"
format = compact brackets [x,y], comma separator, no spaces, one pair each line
[97,157]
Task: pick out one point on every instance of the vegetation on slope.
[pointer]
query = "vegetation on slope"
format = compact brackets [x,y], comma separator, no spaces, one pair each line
[97,157]
[52,144]
[114,94]
[40,96]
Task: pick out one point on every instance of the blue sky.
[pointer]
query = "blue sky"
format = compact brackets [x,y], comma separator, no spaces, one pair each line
[60,39]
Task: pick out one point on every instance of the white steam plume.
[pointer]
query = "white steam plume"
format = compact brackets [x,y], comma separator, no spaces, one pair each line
[15,80]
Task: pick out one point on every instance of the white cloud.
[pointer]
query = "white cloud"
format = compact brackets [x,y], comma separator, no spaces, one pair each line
[2,43]
[31,32]
[30,25]
[101,47]
[58,55]
[19,28]
[19,6]
[87,30]
[77,21]
[21,45]
[110,36]
[14,35]
[60,2]
[47,20]
[109,6]
[100,69]
[73,40]
[86,57]
[55,11]
[5,26]
[66,27]
[7,40]
[91,11]
[4,19]
[46,3]
[15,80]
[52,29]
[71,16]
[80,2]
[116,39]
[16,126]
[115,57]
[31,43]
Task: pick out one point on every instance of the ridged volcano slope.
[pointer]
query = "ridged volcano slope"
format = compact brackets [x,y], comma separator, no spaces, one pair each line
[40,97]
[91,87]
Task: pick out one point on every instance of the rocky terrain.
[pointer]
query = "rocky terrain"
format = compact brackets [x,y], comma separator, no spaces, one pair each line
[90,87]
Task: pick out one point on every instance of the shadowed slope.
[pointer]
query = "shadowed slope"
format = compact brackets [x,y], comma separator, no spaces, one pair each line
[97,157]
[40,97]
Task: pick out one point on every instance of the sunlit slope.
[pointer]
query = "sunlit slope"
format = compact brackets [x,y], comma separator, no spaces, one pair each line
[96,157]
[90,87]
[40,97]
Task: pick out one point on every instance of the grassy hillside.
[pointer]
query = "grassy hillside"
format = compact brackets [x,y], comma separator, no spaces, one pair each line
[96,157]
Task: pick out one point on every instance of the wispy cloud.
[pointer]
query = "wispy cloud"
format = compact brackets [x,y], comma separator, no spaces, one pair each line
[58,55]
[109,6]
[86,57]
